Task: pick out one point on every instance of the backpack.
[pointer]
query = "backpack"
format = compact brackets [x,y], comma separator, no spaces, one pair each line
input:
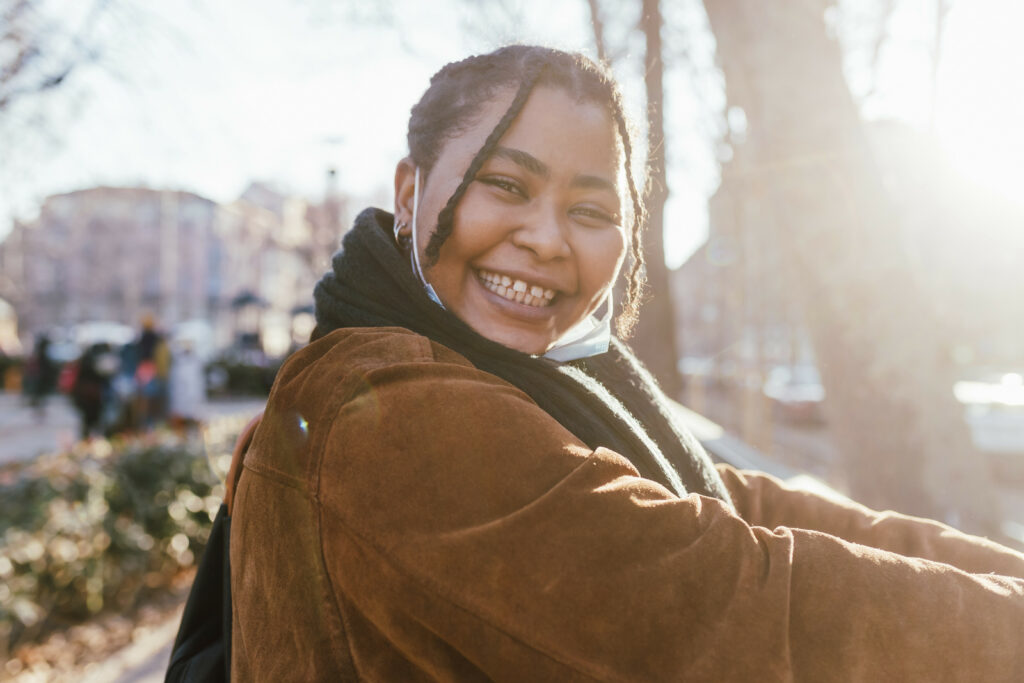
[202,649]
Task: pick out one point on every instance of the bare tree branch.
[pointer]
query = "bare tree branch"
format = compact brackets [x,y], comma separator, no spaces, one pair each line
[598,28]
[45,57]
[494,23]
[942,8]
[878,42]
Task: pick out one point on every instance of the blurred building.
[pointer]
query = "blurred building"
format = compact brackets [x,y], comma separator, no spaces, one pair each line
[117,254]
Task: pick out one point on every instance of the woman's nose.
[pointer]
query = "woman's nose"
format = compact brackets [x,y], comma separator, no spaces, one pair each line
[544,234]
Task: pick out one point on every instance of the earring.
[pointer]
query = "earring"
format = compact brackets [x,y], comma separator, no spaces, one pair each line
[401,240]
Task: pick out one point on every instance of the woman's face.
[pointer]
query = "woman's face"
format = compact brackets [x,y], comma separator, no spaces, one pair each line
[537,239]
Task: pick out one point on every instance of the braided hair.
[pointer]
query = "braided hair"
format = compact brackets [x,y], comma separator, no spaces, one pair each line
[460,89]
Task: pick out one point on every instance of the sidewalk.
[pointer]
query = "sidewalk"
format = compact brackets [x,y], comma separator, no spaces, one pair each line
[144,661]
[24,434]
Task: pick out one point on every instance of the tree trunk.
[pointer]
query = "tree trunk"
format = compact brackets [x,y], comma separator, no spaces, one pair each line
[887,375]
[655,333]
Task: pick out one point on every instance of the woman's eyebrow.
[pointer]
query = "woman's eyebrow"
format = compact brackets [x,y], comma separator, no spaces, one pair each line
[524,159]
[538,167]
[594,182]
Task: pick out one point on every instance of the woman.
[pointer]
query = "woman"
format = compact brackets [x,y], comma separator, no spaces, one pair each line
[466,477]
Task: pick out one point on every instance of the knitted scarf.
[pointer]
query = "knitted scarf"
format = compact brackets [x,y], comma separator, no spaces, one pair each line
[607,400]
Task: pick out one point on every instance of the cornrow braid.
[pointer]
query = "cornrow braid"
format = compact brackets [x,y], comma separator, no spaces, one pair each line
[634,291]
[446,218]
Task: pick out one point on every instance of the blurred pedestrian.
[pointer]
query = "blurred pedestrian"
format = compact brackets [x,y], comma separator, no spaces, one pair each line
[187,391]
[40,375]
[124,394]
[151,373]
[91,387]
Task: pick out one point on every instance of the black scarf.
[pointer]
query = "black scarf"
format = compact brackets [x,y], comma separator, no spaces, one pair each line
[606,400]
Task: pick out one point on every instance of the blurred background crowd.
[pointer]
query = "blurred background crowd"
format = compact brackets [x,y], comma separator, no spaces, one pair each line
[120,385]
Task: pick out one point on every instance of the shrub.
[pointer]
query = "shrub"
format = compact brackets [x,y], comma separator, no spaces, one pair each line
[103,526]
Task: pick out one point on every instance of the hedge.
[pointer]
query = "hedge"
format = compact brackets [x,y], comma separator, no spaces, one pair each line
[104,526]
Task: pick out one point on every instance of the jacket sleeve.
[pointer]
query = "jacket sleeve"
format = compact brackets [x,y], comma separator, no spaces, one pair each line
[763,500]
[464,527]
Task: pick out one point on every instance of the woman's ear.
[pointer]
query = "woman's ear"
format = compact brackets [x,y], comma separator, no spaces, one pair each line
[405,181]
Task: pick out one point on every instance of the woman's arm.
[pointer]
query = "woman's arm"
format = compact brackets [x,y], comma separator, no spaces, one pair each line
[467,531]
[763,500]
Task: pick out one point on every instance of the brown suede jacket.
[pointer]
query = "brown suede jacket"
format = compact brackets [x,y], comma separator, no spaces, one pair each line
[403,516]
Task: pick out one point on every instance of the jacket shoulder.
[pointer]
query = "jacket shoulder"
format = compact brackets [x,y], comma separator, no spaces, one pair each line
[324,365]
[340,369]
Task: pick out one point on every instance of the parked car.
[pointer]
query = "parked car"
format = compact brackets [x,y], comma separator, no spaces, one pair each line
[796,393]
[715,371]
[994,409]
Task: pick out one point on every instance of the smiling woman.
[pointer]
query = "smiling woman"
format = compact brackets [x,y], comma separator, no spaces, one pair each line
[467,476]
[540,239]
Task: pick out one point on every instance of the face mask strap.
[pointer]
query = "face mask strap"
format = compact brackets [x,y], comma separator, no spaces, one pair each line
[415,243]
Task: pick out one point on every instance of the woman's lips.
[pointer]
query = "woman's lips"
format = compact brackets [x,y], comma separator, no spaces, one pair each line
[513,289]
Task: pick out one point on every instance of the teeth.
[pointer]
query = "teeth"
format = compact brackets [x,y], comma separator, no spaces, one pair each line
[516,290]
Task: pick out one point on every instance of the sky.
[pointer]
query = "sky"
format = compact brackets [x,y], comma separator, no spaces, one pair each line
[979,99]
[209,96]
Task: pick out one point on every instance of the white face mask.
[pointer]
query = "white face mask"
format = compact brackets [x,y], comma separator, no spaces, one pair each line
[588,337]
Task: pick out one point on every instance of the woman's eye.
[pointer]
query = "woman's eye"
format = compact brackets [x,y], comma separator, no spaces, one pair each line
[505,184]
[592,213]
